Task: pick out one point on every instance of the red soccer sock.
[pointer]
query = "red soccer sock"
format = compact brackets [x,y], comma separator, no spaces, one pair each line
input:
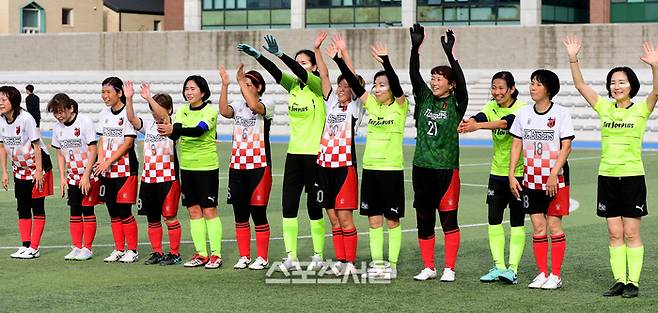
[262,240]
[427,251]
[350,238]
[155,236]
[174,232]
[25,229]
[451,247]
[243,236]
[75,226]
[89,228]
[339,243]
[540,246]
[558,246]
[117,234]
[130,230]
[37,231]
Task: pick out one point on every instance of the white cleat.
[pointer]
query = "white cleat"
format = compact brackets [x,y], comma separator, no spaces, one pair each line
[29,253]
[84,254]
[538,281]
[337,268]
[349,269]
[316,263]
[553,282]
[129,257]
[425,274]
[289,264]
[16,255]
[448,275]
[115,256]
[73,255]
[258,264]
[243,262]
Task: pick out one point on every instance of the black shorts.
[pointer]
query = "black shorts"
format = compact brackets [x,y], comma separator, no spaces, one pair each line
[23,193]
[301,171]
[431,186]
[382,192]
[157,199]
[622,196]
[199,188]
[537,202]
[75,197]
[249,187]
[499,195]
[338,188]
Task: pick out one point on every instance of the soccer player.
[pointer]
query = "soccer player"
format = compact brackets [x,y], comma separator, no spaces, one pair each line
[250,170]
[622,191]
[32,170]
[160,188]
[338,183]
[543,133]
[382,186]
[117,168]
[195,126]
[440,108]
[307,114]
[74,138]
[498,116]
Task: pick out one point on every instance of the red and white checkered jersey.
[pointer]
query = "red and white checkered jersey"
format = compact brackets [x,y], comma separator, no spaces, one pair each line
[251,136]
[336,145]
[73,141]
[542,134]
[159,155]
[17,138]
[113,128]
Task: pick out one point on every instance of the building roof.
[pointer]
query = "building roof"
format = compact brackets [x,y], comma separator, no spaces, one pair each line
[138,7]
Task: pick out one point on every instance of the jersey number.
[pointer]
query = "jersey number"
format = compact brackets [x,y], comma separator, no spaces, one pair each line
[539,148]
[433,128]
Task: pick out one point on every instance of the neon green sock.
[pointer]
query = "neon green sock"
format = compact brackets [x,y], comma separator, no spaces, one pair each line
[290,230]
[497,245]
[377,244]
[394,243]
[635,258]
[198,230]
[215,235]
[317,235]
[618,263]
[516,246]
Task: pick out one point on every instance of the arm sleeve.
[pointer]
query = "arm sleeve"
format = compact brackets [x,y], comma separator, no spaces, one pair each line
[270,67]
[197,131]
[509,119]
[516,129]
[297,69]
[393,80]
[414,71]
[349,77]
[461,94]
[480,117]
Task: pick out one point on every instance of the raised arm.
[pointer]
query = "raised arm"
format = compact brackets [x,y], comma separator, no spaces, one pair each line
[573,46]
[268,65]
[224,109]
[129,92]
[158,111]
[251,98]
[417,33]
[341,44]
[379,52]
[651,57]
[322,66]
[273,47]
[350,78]
[461,94]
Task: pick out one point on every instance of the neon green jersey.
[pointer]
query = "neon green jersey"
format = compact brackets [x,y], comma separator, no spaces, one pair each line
[502,140]
[198,153]
[306,111]
[622,131]
[385,134]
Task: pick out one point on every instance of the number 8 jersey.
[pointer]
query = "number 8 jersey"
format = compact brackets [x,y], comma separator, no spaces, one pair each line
[160,162]
[542,135]
[74,140]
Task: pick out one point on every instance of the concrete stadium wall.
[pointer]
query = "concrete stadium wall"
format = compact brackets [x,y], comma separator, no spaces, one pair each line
[478,47]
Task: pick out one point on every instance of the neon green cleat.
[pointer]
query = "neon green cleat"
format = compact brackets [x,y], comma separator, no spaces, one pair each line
[492,276]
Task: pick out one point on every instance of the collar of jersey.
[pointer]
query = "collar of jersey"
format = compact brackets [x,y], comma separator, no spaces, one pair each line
[71,122]
[543,113]
[118,111]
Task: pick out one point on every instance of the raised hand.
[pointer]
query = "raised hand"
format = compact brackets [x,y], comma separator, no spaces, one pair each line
[332,50]
[378,50]
[319,38]
[128,89]
[239,75]
[650,54]
[224,75]
[417,33]
[339,41]
[573,46]
[272,46]
[145,92]
[249,50]
[448,42]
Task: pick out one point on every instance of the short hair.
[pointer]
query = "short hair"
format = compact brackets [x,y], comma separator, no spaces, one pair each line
[61,101]
[380,73]
[14,97]
[164,100]
[509,81]
[29,88]
[257,80]
[359,79]
[117,84]
[309,53]
[548,79]
[201,83]
[632,79]
[445,71]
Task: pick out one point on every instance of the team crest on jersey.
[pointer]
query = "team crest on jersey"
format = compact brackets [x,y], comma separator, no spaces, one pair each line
[121,121]
[18,130]
[76,132]
[551,122]
[445,105]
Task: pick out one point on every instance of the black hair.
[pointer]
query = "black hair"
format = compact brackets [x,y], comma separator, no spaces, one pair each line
[117,84]
[445,71]
[548,79]
[201,83]
[61,101]
[311,55]
[509,80]
[164,100]
[359,79]
[257,80]
[29,88]
[14,97]
[380,73]
[632,79]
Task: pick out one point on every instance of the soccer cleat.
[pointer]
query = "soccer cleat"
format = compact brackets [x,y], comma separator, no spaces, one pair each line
[18,252]
[492,275]
[114,256]
[349,269]
[289,264]
[391,272]
[129,257]
[538,281]
[425,274]
[30,253]
[448,275]
[553,282]
[259,264]
[155,258]
[73,255]
[316,263]
[631,291]
[509,276]
[616,290]
[196,261]
[377,272]
[171,259]
[84,254]
[215,262]
[243,262]
[337,268]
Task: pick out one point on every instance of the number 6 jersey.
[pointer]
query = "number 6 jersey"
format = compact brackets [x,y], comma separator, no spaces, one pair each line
[251,137]
[542,134]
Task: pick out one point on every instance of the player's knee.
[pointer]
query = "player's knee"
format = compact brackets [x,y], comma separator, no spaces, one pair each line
[345,220]
[170,219]
[209,213]
[392,222]
[87,210]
